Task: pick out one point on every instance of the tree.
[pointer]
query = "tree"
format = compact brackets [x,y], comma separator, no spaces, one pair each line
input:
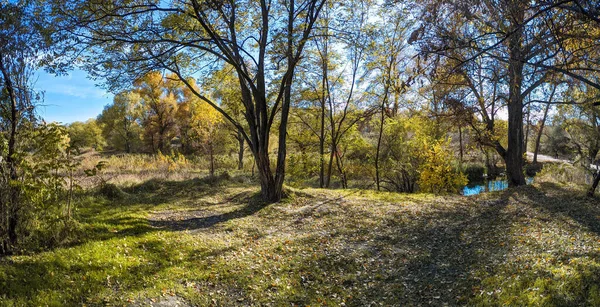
[125,40]
[120,122]
[336,78]
[19,44]
[33,156]
[86,134]
[518,35]
[223,88]
[159,106]
[582,123]
[201,123]
[389,62]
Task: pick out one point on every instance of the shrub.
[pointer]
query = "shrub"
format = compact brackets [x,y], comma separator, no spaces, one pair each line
[474,172]
[112,191]
[436,173]
[564,173]
[531,169]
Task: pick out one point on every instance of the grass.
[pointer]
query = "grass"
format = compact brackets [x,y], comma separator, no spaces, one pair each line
[213,243]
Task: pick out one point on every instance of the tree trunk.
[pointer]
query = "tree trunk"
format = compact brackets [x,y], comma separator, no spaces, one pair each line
[322,147]
[330,165]
[539,136]
[514,151]
[460,143]
[212,159]
[592,189]
[377,180]
[13,202]
[340,165]
[240,139]
[527,128]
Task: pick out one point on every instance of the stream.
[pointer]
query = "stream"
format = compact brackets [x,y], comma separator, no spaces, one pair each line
[499,184]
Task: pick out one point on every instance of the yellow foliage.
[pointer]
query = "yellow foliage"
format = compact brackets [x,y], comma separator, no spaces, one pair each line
[436,174]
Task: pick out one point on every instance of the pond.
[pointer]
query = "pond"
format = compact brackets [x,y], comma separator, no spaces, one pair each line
[489,186]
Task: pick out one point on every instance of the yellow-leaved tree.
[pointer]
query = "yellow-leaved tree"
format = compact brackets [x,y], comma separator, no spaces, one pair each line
[159,105]
[200,125]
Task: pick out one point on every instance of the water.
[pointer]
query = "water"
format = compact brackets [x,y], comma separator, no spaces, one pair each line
[489,186]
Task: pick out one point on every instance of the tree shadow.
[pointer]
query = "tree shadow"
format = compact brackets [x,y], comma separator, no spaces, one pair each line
[558,200]
[200,220]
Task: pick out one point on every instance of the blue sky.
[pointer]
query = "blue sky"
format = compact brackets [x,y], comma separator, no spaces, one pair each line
[70,98]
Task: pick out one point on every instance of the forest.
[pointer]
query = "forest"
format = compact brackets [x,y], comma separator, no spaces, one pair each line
[303,153]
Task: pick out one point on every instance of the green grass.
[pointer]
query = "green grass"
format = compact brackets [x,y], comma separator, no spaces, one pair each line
[206,242]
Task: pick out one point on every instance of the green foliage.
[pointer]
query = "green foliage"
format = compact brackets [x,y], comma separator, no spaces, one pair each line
[120,122]
[412,156]
[556,142]
[45,187]
[111,191]
[86,135]
[532,169]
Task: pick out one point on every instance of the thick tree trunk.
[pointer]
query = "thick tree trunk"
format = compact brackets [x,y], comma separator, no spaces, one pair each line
[13,199]
[514,151]
[267,181]
[340,165]
[330,165]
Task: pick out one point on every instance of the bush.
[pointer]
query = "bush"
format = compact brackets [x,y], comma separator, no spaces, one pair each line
[474,172]
[436,174]
[112,191]
[564,173]
[532,169]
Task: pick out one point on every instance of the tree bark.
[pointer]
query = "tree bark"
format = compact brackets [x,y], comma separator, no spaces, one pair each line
[514,151]
[240,139]
[539,136]
[527,128]
[13,205]
[381,123]
[460,143]
[592,189]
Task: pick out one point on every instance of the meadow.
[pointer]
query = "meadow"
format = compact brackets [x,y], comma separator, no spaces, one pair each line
[181,238]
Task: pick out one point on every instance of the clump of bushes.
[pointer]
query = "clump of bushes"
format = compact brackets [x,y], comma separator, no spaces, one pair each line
[474,172]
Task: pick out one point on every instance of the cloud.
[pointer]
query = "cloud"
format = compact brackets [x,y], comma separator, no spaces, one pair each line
[75,84]
[78,91]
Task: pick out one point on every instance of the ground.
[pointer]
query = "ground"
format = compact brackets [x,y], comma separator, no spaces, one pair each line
[213,243]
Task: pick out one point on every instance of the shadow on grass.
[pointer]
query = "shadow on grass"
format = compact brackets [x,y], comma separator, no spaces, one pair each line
[127,216]
[84,280]
[110,229]
[254,204]
[582,209]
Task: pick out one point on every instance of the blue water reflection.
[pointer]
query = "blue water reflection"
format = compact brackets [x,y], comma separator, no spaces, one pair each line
[489,186]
